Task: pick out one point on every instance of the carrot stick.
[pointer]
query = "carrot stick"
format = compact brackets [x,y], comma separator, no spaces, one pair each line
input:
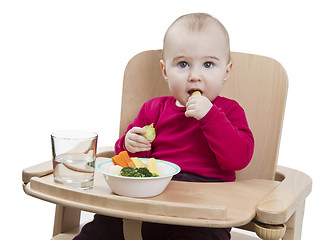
[123,160]
[119,160]
[126,157]
[114,161]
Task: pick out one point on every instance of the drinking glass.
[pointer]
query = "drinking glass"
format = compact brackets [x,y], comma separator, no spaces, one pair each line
[74,154]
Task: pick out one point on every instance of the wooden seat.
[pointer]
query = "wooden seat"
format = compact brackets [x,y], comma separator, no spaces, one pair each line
[278,197]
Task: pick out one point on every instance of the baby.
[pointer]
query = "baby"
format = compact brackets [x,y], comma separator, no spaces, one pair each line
[205,134]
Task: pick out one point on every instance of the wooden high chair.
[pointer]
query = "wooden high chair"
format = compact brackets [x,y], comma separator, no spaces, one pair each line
[265,198]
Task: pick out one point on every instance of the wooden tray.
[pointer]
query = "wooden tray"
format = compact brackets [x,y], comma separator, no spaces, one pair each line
[182,203]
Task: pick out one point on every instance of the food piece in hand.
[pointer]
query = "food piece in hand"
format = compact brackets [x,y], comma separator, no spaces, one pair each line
[138,163]
[196,93]
[115,170]
[123,160]
[152,166]
[150,132]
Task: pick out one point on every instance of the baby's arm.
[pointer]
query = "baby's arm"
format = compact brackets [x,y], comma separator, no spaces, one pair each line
[134,142]
[228,136]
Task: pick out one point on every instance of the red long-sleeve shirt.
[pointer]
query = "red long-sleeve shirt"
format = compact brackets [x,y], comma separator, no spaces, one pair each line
[215,146]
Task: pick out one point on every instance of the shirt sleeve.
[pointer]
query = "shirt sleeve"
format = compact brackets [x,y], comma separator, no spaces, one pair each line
[228,136]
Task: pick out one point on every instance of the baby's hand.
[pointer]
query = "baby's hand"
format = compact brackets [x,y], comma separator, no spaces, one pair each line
[134,142]
[197,106]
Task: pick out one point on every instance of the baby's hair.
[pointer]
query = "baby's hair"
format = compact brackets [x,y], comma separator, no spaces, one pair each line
[196,22]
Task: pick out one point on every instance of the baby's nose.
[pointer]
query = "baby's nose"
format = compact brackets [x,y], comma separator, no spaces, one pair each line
[195,76]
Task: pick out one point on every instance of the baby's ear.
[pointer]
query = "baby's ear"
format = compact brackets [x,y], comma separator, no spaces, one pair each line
[228,71]
[163,68]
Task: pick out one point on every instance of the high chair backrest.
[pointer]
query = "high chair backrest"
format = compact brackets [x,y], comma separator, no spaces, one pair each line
[257,83]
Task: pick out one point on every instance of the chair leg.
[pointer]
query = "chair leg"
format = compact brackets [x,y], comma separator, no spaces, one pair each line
[132,229]
[294,224]
[66,218]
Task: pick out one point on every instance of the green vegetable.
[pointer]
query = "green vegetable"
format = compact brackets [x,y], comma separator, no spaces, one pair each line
[136,172]
[150,132]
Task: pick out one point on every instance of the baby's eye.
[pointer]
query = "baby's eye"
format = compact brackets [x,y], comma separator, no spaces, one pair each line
[208,64]
[183,64]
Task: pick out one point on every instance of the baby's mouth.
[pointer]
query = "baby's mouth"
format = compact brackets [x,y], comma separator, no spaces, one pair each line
[190,92]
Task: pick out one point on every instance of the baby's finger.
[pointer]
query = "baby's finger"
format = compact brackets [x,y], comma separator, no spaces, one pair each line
[134,135]
[138,130]
[140,139]
[139,145]
[134,146]
[189,113]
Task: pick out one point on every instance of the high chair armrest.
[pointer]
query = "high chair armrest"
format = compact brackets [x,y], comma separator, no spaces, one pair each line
[38,170]
[282,202]
[106,151]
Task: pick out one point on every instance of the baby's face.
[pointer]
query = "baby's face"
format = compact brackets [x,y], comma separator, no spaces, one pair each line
[195,61]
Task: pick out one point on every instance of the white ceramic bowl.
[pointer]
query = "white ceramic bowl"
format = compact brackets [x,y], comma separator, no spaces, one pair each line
[139,187]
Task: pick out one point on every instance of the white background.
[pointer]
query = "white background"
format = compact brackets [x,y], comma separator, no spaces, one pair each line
[61,67]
